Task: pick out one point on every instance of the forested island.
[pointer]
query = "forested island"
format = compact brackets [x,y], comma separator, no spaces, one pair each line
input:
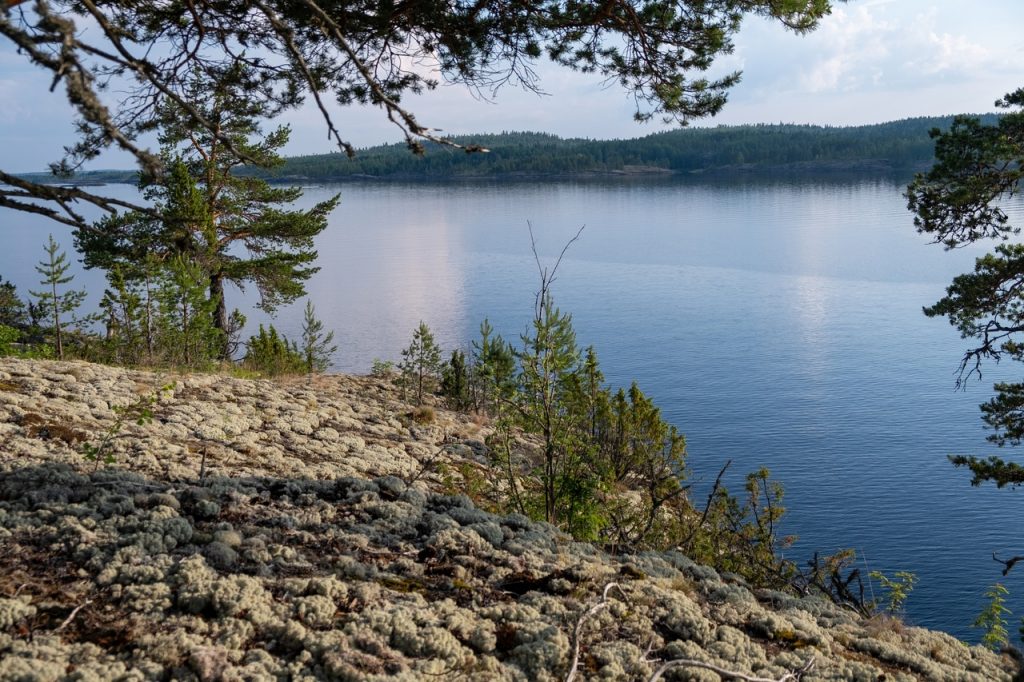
[895,147]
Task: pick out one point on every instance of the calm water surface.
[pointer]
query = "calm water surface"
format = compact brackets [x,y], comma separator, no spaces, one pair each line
[777,324]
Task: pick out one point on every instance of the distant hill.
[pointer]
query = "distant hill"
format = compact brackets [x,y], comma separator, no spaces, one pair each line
[895,147]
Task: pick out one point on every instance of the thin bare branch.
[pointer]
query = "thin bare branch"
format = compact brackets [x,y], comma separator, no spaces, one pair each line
[408,124]
[71,616]
[1008,564]
[707,507]
[288,36]
[578,631]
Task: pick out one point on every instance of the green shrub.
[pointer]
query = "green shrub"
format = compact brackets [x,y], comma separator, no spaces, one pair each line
[897,588]
[993,618]
[8,336]
[271,354]
[382,369]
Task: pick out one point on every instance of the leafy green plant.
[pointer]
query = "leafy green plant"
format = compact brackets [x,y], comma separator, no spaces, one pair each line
[141,411]
[740,534]
[993,620]
[897,588]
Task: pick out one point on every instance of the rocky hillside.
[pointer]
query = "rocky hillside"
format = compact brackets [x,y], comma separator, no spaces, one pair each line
[319,545]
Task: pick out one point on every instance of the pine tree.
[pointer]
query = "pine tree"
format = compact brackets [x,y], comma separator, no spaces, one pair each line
[57,304]
[960,201]
[549,361]
[234,226]
[124,313]
[494,369]
[12,308]
[316,346]
[421,361]
[455,381]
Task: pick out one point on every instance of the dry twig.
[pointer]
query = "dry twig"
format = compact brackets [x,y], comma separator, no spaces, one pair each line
[578,632]
[71,616]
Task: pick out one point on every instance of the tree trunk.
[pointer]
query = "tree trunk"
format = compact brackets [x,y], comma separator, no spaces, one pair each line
[149,318]
[187,336]
[220,313]
[56,319]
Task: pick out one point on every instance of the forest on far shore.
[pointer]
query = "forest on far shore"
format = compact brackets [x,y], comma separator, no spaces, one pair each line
[899,147]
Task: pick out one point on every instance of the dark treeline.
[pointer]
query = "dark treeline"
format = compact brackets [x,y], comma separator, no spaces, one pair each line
[895,146]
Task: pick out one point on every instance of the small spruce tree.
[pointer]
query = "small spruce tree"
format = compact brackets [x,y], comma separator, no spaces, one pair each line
[57,305]
[317,347]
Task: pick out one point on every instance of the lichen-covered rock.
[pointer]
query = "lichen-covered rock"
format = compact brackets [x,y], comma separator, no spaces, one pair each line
[305,554]
[14,610]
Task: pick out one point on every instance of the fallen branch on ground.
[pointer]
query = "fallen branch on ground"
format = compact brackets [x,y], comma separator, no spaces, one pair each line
[71,616]
[578,632]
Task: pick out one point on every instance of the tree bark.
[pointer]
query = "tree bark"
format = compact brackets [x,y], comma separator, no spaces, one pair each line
[220,312]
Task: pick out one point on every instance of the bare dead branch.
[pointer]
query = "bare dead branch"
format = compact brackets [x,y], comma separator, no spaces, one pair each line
[1008,564]
[707,506]
[288,36]
[578,631]
[71,616]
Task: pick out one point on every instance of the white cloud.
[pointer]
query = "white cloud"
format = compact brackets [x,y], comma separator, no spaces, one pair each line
[856,45]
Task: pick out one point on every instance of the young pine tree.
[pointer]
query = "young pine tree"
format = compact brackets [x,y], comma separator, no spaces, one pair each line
[421,361]
[455,381]
[56,304]
[12,309]
[317,347]
[123,313]
[494,371]
[270,353]
[549,364]
[185,332]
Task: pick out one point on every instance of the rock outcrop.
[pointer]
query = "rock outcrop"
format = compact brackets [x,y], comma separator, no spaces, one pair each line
[320,545]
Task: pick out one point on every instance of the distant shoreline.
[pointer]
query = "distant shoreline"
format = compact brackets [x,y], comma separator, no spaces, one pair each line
[893,149]
[864,169]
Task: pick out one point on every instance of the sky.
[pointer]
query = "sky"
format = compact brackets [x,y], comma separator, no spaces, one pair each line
[870,61]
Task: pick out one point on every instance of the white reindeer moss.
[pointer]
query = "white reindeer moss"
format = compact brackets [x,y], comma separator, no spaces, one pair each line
[303,555]
[15,610]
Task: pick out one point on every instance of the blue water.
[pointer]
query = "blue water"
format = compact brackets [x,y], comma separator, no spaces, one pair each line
[777,324]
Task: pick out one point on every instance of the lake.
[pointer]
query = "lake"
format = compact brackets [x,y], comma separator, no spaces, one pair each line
[776,323]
